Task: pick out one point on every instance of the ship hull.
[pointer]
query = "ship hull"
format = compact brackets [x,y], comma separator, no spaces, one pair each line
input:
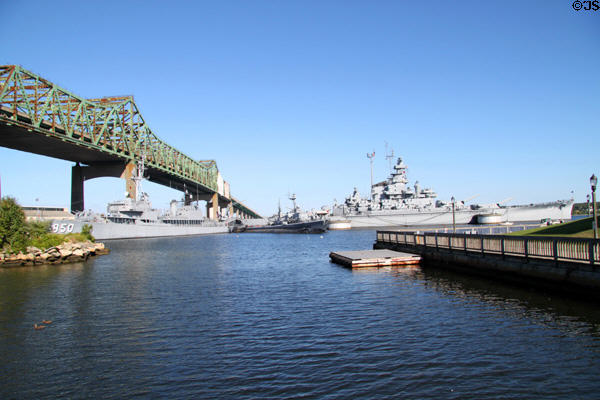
[111,230]
[339,225]
[534,212]
[299,227]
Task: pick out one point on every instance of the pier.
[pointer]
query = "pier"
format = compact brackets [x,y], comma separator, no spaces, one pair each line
[566,264]
[374,258]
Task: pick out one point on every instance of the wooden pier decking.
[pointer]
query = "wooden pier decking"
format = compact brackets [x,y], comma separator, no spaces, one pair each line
[374,258]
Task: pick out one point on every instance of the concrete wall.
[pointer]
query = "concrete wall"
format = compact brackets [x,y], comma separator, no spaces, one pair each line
[574,277]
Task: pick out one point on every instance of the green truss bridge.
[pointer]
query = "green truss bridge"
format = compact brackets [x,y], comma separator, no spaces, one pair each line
[104,137]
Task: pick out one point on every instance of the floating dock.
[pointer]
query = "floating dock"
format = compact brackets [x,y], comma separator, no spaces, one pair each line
[374,258]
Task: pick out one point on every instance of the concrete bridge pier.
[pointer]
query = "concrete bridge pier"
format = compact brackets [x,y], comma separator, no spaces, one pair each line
[79,174]
[212,204]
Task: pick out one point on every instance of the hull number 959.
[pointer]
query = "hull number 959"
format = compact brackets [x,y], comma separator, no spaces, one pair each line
[62,228]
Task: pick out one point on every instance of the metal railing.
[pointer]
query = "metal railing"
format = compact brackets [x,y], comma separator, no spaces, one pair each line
[550,248]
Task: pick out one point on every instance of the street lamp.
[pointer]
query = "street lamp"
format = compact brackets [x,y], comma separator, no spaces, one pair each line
[587,210]
[453,200]
[593,183]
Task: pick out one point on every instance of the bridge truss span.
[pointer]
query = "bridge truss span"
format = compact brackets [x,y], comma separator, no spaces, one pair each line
[40,117]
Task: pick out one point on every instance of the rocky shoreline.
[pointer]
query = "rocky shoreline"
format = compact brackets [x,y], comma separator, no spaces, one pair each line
[61,254]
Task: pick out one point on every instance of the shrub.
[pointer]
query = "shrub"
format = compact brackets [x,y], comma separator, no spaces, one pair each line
[47,240]
[16,234]
[35,229]
[86,231]
[13,234]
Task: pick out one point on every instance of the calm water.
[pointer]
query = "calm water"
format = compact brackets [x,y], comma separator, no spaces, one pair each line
[267,316]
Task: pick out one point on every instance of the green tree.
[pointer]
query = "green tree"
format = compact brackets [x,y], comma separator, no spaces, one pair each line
[12,225]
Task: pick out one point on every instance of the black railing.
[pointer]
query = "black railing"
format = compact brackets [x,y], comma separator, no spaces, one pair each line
[553,248]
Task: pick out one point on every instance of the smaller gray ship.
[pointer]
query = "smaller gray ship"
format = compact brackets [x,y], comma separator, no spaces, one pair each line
[293,221]
[135,218]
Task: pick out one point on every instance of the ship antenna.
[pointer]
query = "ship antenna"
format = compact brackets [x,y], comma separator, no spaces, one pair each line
[389,156]
[139,176]
[279,208]
[370,157]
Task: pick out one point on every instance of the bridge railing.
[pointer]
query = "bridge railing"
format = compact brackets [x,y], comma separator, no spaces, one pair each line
[111,124]
[555,248]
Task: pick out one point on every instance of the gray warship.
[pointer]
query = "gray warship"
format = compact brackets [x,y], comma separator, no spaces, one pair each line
[293,221]
[136,218]
[394,203]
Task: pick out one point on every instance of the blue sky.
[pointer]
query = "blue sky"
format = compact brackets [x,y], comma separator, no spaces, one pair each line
[492,98]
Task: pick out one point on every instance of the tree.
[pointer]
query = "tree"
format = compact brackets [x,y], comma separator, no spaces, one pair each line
[12,225]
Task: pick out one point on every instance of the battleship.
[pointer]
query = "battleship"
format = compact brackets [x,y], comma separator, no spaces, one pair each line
[293,221]
[394,203]
[135,218]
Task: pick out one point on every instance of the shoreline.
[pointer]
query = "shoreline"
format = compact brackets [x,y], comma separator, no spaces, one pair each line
[62,254]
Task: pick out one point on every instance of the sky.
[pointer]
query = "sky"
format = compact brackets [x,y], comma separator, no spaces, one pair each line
[494,99]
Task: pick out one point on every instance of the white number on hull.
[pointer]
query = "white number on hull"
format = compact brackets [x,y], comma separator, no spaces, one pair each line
[62,228]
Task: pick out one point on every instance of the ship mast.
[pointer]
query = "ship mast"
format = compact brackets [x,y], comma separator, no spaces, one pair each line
[139,176]
[293,199]
[370,157]
[389,156]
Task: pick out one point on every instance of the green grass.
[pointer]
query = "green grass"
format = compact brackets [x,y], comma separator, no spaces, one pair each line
[581,228]
[47,240]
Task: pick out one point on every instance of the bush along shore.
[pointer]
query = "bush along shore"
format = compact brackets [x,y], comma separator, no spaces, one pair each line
[32,243]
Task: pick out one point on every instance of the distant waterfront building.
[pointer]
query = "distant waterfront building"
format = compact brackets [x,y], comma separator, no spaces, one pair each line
[46,213]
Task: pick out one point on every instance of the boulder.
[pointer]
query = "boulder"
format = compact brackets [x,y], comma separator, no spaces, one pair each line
[32,249]
[64,253]
[79,253]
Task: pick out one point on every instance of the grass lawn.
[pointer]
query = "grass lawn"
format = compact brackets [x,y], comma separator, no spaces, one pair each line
[581,228]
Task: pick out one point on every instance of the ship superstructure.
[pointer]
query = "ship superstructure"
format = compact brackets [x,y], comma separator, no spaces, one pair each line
[135,218]
[394,203]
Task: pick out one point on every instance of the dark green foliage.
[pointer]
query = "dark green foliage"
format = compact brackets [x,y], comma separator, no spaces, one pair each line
[37,228]
[86,231]
[16,234]
[13,235]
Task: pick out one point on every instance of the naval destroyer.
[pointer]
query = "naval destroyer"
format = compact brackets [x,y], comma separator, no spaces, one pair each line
[135,218]
[293,221]
[394,203]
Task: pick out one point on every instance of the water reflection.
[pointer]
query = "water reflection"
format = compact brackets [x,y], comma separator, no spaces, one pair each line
[269,316]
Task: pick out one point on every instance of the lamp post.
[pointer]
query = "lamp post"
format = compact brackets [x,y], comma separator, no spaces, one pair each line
[593,183]
[453,200]
[587,210]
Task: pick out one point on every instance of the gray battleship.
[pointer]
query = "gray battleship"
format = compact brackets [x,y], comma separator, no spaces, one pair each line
[135,218]
[293,221]
[394,203]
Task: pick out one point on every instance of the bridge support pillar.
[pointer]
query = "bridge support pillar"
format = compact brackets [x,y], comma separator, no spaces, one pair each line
[212,207]
[128,173]
[81,174]
[77,188]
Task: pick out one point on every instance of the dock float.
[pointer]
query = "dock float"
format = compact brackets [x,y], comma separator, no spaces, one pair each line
[374,258]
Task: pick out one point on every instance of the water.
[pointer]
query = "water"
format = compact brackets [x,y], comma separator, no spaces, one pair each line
[268,316]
